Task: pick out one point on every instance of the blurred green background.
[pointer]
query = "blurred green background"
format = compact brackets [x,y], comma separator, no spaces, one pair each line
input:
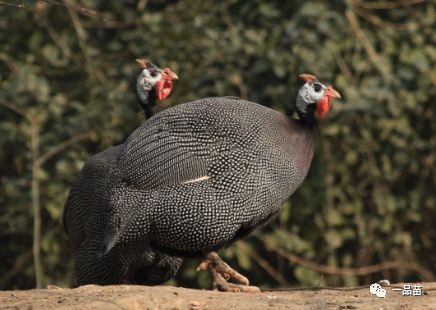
[367,209]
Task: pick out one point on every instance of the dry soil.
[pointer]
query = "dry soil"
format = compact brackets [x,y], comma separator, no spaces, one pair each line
[167,297]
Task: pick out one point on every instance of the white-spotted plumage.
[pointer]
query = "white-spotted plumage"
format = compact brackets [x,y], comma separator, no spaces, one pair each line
[188,181]
[90,195]
[191,179]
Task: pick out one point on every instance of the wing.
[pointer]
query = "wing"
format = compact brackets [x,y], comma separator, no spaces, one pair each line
[180,144]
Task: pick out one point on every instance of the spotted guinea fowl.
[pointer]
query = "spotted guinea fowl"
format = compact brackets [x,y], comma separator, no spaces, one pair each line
[152,83]
[197,177]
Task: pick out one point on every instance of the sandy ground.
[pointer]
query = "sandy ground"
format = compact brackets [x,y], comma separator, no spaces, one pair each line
[167,297]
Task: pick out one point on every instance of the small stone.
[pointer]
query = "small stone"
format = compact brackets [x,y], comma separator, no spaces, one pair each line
[270,298]
[347,307]
[384,282]
[54,287]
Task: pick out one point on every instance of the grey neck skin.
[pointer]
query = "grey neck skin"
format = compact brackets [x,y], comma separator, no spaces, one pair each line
[146,99]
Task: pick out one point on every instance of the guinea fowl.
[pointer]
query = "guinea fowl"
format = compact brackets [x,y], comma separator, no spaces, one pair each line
[152,83]
[197,177]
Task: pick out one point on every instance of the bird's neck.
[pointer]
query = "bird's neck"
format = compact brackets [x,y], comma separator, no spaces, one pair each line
[147,101]
[305,112]
[301,143]
[307,117]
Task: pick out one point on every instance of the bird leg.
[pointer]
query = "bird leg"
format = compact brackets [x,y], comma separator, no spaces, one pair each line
[222,273]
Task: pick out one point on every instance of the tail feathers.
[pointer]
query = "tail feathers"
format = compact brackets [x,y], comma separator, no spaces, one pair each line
[129,222]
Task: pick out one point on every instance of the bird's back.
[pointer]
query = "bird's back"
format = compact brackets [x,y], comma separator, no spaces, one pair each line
[214,169]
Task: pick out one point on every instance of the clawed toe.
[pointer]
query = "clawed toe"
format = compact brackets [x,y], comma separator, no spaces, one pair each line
[222,273]
[224,286]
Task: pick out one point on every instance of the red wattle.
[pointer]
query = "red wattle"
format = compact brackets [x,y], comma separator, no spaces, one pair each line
[322,106]
[163,89]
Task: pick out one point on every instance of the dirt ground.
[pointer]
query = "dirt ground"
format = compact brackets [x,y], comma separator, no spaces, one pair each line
[167,297]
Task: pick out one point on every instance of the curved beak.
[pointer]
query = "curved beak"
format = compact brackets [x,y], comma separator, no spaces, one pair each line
[168,73]
[332,93]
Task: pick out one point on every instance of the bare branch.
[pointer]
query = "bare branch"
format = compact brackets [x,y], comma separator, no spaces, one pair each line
[19,264]
[62,46]
[12,4]
[36,202]
[345,70]
[112,24]
[62,146]
[386,5]
[374,19]
[86,11]
[358,271]
[370,51]
[16,109]
[81,36]
[99,21]
[264,264]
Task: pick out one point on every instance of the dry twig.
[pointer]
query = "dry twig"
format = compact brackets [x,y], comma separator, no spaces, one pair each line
[374,19]
[21,5]
[264,264]
[63,145]
[16,109]
[372,54]
[386,5]
[82,37]
[358,271]
[345,70]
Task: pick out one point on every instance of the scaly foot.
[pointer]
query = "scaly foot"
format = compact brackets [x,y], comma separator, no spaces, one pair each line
[222,273]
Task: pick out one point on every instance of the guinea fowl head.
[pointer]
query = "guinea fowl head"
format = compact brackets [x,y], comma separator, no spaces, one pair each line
[314,96]
[154,78]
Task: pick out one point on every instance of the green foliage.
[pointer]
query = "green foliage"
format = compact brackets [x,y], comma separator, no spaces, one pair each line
[370,195]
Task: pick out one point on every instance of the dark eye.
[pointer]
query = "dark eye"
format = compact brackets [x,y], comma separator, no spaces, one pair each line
[153,73]
[317,87]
